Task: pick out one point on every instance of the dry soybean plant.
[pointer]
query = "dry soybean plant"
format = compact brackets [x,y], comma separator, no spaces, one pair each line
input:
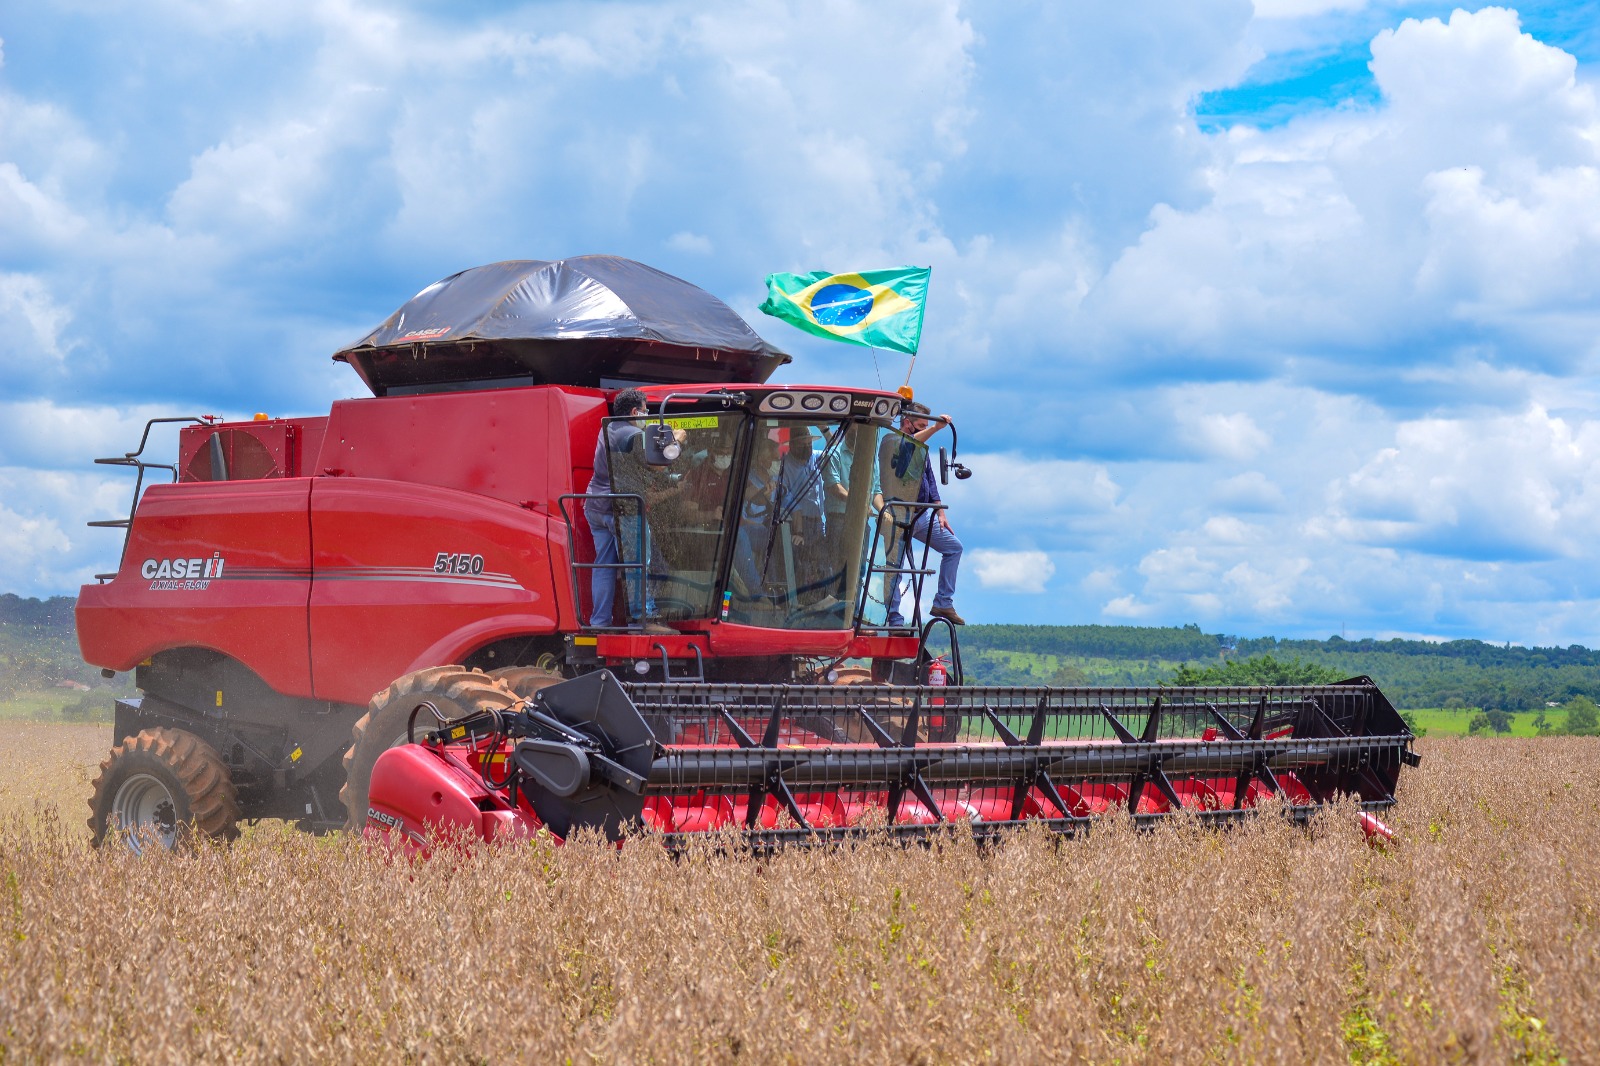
[1473,938]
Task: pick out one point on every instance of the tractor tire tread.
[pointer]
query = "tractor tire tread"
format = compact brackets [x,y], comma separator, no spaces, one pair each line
[197,769]
[469,690]
[526,680]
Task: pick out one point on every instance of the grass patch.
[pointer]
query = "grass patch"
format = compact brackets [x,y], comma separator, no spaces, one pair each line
[61,705]
[1453,722]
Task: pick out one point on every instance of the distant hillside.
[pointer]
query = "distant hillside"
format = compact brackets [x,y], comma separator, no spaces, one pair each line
[39,647]
[1413,673]
[54,613]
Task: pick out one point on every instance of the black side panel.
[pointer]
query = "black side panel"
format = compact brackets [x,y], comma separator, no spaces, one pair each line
[285,753]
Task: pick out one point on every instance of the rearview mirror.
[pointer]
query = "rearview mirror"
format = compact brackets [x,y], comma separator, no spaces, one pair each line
[947,465]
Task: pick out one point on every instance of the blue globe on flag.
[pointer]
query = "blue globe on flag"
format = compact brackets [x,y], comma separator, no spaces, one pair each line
[840,305]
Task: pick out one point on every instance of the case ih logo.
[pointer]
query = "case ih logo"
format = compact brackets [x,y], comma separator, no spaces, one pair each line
[166,575]
[384,818]
[424,334]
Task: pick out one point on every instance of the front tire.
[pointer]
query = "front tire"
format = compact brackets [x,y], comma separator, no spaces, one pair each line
[456,691]
[162,788]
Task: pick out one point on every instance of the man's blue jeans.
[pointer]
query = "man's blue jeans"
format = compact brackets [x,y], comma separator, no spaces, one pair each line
[927,530]
[603,579]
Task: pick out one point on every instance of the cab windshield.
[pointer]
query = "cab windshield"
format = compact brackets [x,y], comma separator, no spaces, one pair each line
[765,521]
[686,503]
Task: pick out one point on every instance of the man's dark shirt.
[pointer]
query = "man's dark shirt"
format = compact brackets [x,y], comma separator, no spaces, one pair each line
[929,492]
[623,435]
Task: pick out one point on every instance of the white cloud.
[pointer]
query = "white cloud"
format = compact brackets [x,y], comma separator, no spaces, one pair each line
[27,542]
[44,536]
[1251,491]
[1226,529]
[1467,198]
[1219,436]
[1101,580]
[1127,608]
[1011,571]
[1523,486]
[692,243]
[32,324]
[1048,485]
[43,435]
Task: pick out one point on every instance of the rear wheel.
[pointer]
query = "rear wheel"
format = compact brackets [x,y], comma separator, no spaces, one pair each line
[162,788]
[454,690]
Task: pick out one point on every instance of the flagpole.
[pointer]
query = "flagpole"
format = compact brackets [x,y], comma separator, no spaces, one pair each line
[905,390]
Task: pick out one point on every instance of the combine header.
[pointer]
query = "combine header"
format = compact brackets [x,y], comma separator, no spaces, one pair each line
[299,596]
[791,764]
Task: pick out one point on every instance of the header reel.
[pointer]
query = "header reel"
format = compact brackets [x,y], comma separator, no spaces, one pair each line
[796,764]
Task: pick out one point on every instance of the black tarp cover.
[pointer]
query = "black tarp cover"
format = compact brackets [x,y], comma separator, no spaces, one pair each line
[574,321]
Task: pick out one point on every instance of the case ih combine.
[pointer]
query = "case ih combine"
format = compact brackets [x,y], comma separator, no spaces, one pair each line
[429,544]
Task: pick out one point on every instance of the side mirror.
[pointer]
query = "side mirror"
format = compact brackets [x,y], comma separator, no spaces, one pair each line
[661,447]
[947,465]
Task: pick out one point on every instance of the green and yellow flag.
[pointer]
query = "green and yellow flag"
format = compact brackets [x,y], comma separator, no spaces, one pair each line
[877,308]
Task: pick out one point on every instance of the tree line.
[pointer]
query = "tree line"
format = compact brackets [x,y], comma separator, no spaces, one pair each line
[38,649]
[1412,673]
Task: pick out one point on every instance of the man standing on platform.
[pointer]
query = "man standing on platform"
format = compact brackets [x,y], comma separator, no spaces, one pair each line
[618,535]
[932,526]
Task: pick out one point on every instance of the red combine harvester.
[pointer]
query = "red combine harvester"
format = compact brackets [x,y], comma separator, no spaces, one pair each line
[430,544]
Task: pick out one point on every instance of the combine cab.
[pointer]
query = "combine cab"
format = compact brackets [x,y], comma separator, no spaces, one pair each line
[295,590]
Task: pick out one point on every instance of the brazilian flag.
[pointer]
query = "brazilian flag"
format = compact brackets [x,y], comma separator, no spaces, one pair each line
[877,308]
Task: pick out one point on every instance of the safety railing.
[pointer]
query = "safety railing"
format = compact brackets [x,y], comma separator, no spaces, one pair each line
[577,568]
[132,459]
[894,528]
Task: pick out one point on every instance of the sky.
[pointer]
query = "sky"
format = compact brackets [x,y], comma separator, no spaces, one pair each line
[1280,319]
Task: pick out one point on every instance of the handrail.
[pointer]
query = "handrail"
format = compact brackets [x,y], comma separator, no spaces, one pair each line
[131,459]
[916,574]
[573,565]
[957,673]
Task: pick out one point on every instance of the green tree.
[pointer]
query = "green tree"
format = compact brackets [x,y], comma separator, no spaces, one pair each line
[1499,721]
[1259,670]
[1069,676]
[1583,717]
[1478,723]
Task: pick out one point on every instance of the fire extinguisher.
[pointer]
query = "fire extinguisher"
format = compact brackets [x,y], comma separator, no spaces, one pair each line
[938,677]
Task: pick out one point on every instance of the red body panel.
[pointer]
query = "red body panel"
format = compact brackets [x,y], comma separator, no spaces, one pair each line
[417,791]
[525,446]
[407,576]
[255,611]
